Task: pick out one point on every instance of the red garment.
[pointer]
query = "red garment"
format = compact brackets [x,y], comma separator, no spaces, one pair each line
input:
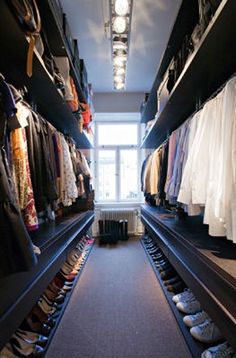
[86,113]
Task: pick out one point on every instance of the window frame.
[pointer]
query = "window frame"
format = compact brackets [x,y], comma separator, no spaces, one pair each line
[117,149]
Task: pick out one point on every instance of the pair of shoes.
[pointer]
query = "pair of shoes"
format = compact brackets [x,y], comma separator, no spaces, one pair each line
[24,349]
[32,337]
[195,319]
[186,302]
[189,306]
[7,352]
[223,350]
[206,332]
[185,295]
[168,273]
[176,287]
[30,325]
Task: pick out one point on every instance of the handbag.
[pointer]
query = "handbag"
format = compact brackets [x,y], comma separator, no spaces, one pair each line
[28,16]
[51,66]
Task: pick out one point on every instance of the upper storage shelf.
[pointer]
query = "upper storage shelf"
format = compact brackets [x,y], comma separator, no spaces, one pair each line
[210,65]
[41,87]
[59,47]
[184,23]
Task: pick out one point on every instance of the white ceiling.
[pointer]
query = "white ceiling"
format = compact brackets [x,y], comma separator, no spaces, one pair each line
[152,21]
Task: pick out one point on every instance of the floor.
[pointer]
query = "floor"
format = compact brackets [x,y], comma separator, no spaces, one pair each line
[118,310]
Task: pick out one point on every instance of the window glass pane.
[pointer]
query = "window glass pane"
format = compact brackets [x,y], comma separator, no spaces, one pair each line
[128,174]
[117,134]
[106,175]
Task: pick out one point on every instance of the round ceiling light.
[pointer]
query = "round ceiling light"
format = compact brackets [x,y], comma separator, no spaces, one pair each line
[119,86]
[119,24]
[119,45]
[119,61]
[121,7]
[119,71]
[118,79]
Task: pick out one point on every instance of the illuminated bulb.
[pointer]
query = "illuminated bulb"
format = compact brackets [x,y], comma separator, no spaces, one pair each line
[121,7]
[119,86]
[118,79]
[119,24]
[119,46]
[119,61]
[119,71]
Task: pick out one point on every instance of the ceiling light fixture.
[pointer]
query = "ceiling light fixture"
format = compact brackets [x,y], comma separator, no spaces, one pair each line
[120,26]
[121,7]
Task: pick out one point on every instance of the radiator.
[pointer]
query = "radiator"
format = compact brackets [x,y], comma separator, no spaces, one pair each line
[131,215]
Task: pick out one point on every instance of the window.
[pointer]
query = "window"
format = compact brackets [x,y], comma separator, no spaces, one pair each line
[117,162]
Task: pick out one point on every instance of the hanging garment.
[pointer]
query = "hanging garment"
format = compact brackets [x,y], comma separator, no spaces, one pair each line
[40,148]
[69,192]
[163,174]
[171,159]
[185,192]
[147,172]
[16,249]
[22,178]
[155,170]
[226,189]
[216,226]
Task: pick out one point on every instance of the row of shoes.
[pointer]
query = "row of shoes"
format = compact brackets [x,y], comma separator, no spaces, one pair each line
[168,274]
[31,338]
[202,328]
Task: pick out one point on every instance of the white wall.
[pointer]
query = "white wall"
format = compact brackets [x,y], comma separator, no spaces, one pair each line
[117,102]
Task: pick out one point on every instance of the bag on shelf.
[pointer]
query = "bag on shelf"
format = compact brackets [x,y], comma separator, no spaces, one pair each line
[28,16]
[73,103]
[50,64]
[62,63]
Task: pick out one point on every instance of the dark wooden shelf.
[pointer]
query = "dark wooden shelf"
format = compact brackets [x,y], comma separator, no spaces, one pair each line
[195,347]
[208,68]
[41,88]
[185,21]
[57,42]
[206,264]
[22,290]
[67,300]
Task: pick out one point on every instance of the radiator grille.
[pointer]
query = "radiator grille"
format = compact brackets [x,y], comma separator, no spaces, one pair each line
[121,214]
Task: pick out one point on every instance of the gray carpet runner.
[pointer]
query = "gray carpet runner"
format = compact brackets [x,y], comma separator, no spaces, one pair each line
[118,310]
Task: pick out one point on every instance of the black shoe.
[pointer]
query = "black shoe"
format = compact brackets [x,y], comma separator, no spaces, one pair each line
[172,280]
[176,287]
[168,273]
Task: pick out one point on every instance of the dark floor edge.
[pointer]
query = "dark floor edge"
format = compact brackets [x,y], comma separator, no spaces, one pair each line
[194,347]
[66,302]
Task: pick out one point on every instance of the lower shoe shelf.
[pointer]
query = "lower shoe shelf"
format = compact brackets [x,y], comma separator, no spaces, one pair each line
[195,347]
[22,290]
[207,265]
[68,296]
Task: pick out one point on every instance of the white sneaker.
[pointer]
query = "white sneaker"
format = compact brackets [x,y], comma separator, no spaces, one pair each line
[223,350]
[190,307]
[195,319]
[183,296]
[206,332]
